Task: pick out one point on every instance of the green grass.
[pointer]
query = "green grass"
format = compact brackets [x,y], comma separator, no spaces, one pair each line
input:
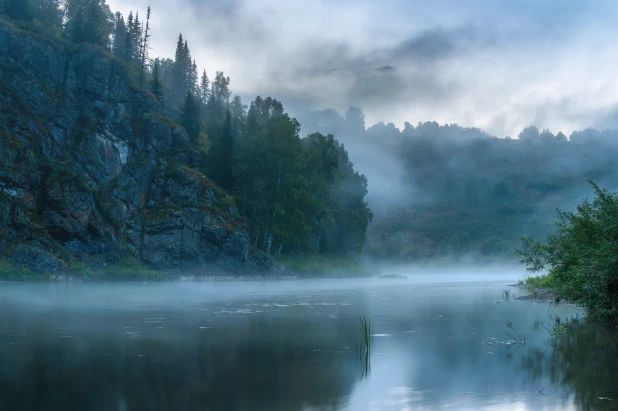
[8,272]
[320,265]
[543,281]
[128,270]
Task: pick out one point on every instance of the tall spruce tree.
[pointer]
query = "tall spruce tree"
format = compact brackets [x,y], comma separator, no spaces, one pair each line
[239,113]
[89,21]
[50,15]
[204,88]
[156,85]
[193,79]
[120,37]
[128,42]
[144,51]
[190,117]
[178,70]
[227,154]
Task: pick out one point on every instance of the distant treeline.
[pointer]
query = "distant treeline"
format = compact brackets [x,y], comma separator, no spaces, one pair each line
[297,195]
[467,192]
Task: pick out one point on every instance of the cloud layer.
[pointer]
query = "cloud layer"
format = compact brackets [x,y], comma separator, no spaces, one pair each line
[498,65]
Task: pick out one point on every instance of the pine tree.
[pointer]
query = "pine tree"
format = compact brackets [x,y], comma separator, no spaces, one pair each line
[49,13]
[193,77]
[219,97]
[239,113]
[120,37]
[189,117]
[204,88]
[186,67]
[144,51]
[89,21]
[128,44]
[136,39]
[156,86]
[227,154]
[177,70]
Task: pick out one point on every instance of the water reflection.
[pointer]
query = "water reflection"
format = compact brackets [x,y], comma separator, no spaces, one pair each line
[583,357]
[211,347]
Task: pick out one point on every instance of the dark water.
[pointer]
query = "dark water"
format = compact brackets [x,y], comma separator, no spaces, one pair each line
[291,346]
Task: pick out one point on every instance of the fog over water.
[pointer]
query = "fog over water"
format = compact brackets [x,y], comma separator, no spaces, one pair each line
[435,343]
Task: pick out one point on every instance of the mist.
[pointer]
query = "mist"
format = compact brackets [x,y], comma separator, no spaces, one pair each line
[499,66]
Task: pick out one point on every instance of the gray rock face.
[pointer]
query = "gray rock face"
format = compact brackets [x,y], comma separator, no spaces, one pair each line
[91,170]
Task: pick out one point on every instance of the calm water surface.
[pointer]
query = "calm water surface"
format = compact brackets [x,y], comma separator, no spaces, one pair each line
[293,346]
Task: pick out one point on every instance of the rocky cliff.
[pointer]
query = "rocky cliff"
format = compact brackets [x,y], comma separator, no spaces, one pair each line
[91,170]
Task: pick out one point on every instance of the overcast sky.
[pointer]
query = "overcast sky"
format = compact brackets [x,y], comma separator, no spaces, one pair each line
[495,64]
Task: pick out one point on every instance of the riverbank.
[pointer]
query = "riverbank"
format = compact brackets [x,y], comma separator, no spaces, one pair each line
[539,294]
[287,268]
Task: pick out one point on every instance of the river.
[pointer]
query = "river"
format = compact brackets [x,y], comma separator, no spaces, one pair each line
[294,345]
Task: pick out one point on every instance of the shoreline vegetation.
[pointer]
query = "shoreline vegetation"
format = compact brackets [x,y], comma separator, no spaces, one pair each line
[580,256]
[292,268]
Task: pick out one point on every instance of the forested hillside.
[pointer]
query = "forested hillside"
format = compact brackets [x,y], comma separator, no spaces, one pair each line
[455,191]
[288,185]
[131,156]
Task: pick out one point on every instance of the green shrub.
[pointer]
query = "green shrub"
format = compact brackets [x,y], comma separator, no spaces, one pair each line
[582,256]
[543,281]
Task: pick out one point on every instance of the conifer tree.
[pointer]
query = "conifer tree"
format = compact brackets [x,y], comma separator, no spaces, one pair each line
[50,15]
[120,37]
[239,113]
[186,67]
[189,117]
[136,39]
[204,88]
[193,79]
[144,51]
[177,69]
[156,86]
[89,21]
[227,154]
[128,46]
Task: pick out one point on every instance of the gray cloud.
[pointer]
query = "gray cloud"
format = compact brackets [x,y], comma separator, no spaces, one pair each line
[494,64]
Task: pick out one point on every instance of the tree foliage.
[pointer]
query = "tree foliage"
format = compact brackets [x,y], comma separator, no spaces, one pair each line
[291,189]
[89,21]
[190,117]
[582,256]
[296,194]
[156,83]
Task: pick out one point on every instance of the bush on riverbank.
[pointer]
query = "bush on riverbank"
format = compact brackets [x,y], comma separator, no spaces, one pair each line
[541,281]
[582,256]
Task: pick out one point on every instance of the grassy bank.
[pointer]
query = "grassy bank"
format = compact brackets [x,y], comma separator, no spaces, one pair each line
[10,273]
[128,270]
[306,265]
[542,281]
